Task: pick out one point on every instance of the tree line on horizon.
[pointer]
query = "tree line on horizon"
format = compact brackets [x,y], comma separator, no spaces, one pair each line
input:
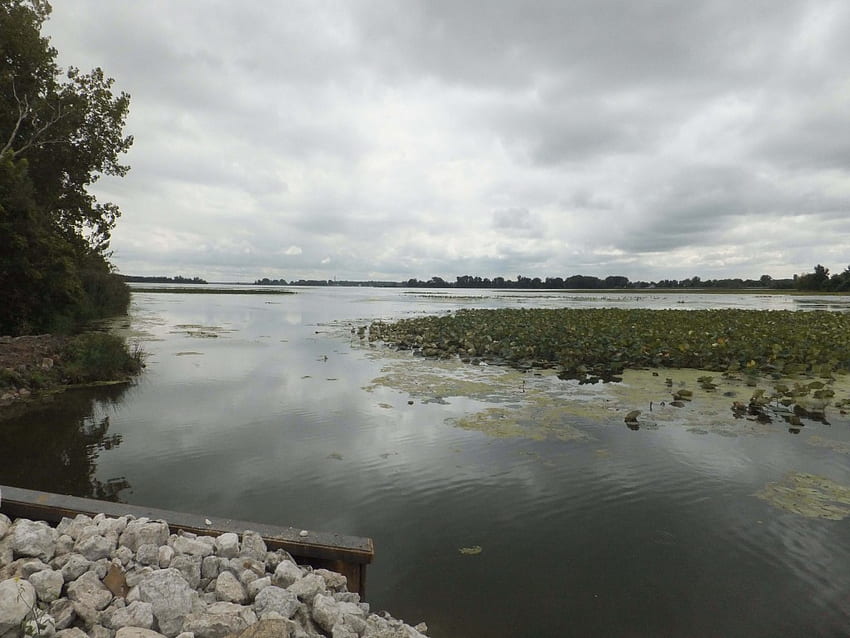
[819,280]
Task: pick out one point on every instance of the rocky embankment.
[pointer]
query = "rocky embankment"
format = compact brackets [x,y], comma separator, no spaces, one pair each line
[131,578]
[26,364]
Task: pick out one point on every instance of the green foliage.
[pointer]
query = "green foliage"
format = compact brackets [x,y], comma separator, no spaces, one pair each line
[593,344]
[99,357]
[57,137]
[820,281]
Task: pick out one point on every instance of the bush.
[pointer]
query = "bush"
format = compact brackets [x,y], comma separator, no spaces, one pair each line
[97,356]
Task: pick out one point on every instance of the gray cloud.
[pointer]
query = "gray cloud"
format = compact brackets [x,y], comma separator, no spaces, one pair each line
[654,139]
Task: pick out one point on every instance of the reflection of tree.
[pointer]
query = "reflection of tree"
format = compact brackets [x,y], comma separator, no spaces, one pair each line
[54,447]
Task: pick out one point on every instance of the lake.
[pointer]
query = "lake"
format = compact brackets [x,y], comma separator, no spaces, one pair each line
[500,503]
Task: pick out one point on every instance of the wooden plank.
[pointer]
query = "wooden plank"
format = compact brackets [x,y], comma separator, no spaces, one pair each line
[348,555]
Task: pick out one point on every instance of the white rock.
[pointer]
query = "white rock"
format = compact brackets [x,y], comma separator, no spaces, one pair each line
[74,567]
[87,616]
[17,599]
[308,587]
[48,585]
[276,599]
[94,547]
[5,524]
[253,546]
[171,598]
[326,612]
[88,590]
[30,567]
[33,538]
[64,545]
[333,580]
[72,632]
[137,632]
[124,555]
[227,545]
[191,546]
[142,531]
[210,567]
[286,574]
[110,526]
[73,527]
[136,614]
[190,567]
[256,586]
[136,575]
[42,625]
[166,554]
[229,589]
[148,554]
[220,620]
[63,613]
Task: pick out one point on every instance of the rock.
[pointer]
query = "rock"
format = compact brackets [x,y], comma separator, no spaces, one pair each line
[191,546]
[256,586]
[48,584]
[39,624]
[137,575]
[74,567]
[210,567]
[64,545]
[112,526]
[29,567]
[95,547]
[7,554]
[143,531]
[166,554]
[74,527]
[326,612]
[124,555]
[190,567]
[115,581]
[171,598]
[271,628]
[137,614]
[89,591]
[87,616]
[253,546]
[276,599]
[63,613]
[5,524]
[227,545]
[33,538]
[286,574]
[228,589]
[17,600]
[308,587]
[99,631]
[148,554]
[333,581]
[220,620]
[137,632]
[73,632]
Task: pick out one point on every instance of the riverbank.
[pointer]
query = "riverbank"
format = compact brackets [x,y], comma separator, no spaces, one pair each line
[33,366]
[121,577]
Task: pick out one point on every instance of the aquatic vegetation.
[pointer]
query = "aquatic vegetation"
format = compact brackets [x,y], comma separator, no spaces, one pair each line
[471,551]
[599,343]
[808,495]
[842,447]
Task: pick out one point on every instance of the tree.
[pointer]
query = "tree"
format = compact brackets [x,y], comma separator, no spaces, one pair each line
[817,280]
[58,136]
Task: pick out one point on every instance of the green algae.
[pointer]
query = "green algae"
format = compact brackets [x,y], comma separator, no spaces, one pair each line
[842,447]
[808,495]
[474,550]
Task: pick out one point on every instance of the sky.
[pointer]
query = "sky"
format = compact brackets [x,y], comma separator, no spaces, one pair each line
[404,139]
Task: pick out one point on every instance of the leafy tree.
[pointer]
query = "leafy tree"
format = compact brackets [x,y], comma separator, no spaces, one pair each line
[817,280]
[58,134]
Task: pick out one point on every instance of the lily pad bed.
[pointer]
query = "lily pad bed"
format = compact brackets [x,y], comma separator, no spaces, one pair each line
[597,344]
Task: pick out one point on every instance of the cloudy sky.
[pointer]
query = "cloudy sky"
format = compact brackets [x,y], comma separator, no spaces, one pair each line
[390,139]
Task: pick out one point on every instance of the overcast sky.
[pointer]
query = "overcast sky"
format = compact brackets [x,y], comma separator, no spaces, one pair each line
[395,139]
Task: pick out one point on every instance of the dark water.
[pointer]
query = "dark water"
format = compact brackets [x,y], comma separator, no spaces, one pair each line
[648,533]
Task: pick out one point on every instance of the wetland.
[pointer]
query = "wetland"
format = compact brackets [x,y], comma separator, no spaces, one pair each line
[703,490]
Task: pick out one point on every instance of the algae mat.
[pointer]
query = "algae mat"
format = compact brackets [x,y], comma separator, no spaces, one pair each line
[808,495]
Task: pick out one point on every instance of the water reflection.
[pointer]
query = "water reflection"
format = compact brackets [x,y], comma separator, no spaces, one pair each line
[55,447]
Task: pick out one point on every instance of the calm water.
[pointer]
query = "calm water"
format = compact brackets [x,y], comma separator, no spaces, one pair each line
[254,407]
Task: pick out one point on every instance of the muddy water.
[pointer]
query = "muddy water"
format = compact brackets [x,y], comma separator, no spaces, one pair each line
[501,503]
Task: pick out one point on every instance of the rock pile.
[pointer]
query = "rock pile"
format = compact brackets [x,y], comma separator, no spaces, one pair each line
[131,578]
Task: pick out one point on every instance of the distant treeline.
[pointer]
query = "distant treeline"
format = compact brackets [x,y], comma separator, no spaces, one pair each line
[819,280]
[177,279]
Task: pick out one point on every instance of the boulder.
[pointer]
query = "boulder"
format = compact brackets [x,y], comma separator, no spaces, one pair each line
[17,600]
[72,632]
[33,538]
[148,554]
[48,584]
[63,613]
[74,567]
[276,599]
[308,587]
[286,574]
[191,546]
[190,567]
[229,589]
[89,591]
[227,545]
[5,524]
[137,632]
[170,596]
[95,547]
[219,620]
[253,546]
[136,614]
[143,531]
[271,628]
[326,612]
